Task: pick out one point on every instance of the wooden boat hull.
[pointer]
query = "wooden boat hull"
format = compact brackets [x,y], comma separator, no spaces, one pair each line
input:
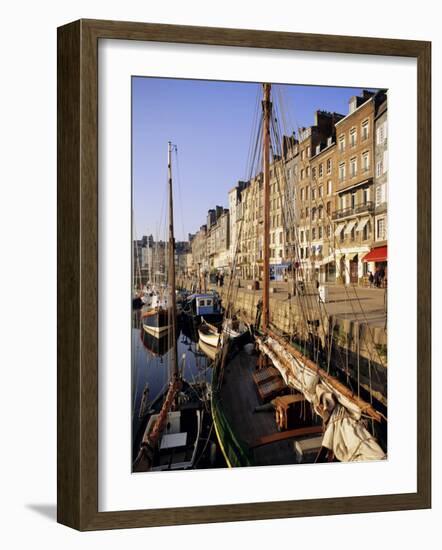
[247,437]
[209,338]
[209,351]
[156,322]
[179,442]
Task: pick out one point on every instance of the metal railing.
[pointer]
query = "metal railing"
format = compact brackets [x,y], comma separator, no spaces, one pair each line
[352,210]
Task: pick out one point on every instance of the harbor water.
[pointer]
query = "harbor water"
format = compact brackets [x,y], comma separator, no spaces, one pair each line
[151,372]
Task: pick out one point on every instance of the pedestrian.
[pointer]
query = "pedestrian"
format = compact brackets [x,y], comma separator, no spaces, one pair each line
[376,279]
[217,279]
[221,279]
[370,279]
[381,276]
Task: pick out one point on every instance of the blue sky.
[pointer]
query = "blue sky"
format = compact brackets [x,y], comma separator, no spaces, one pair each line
[211,124]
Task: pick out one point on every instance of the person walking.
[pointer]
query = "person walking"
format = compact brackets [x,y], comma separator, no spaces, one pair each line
[370,279]
[376,279]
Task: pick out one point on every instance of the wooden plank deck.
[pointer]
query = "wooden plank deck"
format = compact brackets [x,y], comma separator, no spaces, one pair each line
[239,398]
[288,434]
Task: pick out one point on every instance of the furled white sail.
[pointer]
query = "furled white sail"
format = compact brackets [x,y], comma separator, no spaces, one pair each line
[345,433]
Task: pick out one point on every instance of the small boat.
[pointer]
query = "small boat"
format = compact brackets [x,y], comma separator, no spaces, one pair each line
[209,351]
[156,321]
[209,334]
[203,305]
[179,441]
[235,329]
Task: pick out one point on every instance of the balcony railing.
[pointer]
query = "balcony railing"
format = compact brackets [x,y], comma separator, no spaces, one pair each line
[350,211]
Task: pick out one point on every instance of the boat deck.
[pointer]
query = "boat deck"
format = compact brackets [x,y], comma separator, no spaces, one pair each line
[239,398]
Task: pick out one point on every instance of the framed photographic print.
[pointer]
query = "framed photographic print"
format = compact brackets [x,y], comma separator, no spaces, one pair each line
[243,275]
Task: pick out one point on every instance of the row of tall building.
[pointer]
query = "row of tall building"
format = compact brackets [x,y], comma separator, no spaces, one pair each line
[328,205]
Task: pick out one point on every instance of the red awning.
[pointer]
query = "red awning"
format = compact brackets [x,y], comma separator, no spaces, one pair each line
[378,254]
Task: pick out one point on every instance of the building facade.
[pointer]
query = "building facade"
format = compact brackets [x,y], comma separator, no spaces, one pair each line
[328,204]
[354,197]
[316,149]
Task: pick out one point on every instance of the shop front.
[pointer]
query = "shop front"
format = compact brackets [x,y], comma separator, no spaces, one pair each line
[377,263]
[280,272]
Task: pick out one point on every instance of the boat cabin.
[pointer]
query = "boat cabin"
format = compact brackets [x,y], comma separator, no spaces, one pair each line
[203,305]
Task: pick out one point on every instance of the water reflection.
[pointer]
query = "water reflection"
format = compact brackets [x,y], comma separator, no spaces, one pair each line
[150,370]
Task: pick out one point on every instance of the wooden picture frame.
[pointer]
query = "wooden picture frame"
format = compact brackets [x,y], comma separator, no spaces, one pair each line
[78,274]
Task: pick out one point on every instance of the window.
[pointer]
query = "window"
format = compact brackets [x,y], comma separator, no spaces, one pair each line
[328,207]
[302,154]
[302,173]
[381,133]
[314,233]
[320,191]
[353,137]
[341,144]
[353,200]
[280,238]
[307,171]
[342,171]
[314,172]
[208,302]
[302,194]
[201,303]
[320,232]
[352,234]
[307,212]
[366,231]
[308,151]
[329,166]
[313,194]
[302,253]
[313,214]
[328,230]
[378,168]
[381,229]
[301,236]
[329,187]
[321,170]
[365,196]
[366,161]
[365,130]
[353,167]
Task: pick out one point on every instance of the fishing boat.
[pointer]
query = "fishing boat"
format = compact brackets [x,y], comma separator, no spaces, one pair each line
[170,439]
[157,319]
[203,305]
[272,403]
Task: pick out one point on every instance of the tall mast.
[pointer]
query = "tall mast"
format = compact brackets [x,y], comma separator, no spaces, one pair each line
[171,262]
[267,107]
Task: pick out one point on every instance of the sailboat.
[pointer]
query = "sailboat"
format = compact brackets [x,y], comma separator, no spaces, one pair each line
[170,440]
[273,405]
